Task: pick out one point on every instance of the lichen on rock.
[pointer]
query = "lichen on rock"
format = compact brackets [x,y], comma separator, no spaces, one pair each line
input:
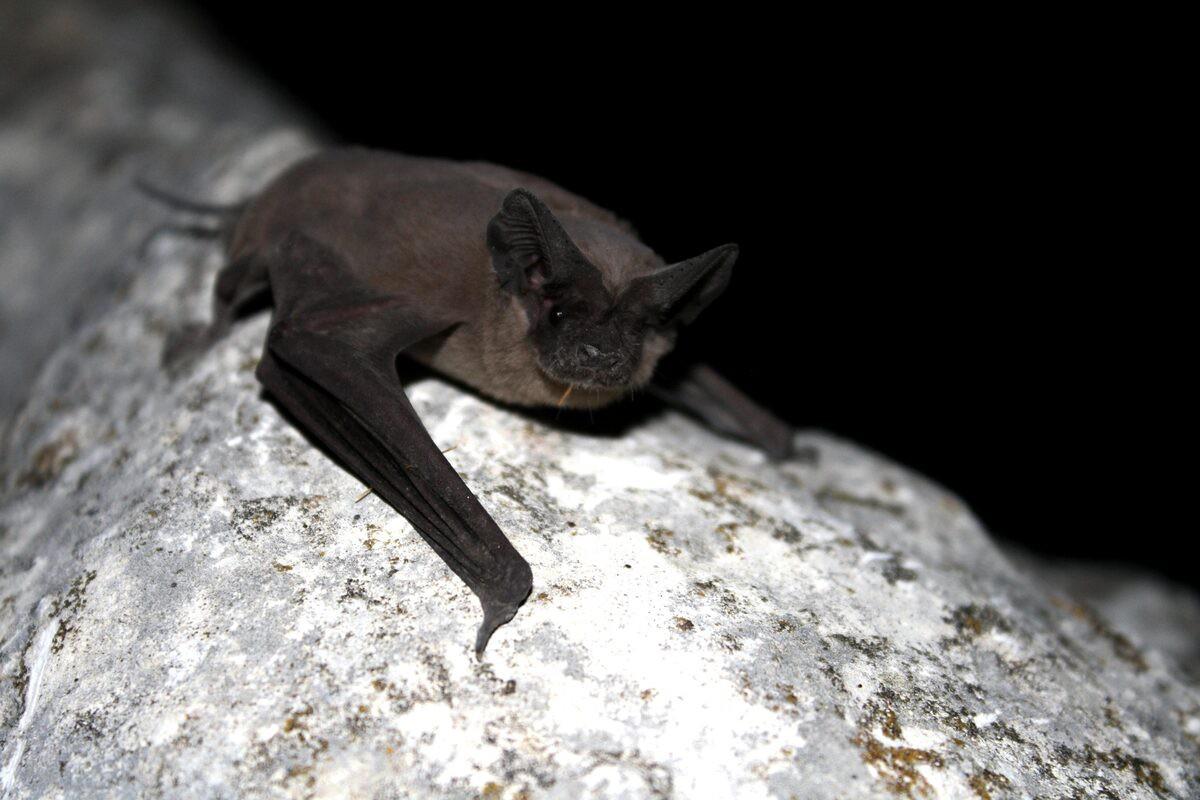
[195,602]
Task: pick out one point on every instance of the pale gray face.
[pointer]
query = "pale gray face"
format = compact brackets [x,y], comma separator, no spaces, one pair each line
[589,319]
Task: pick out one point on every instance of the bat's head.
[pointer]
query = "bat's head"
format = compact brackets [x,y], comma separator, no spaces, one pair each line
[600,322]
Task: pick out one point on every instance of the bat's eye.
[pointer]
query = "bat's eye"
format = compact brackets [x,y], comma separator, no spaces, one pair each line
[557,316]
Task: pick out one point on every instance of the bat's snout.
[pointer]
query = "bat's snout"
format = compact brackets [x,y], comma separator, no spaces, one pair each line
[590,357]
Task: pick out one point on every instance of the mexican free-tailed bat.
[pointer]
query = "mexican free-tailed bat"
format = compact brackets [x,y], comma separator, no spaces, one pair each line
[497,278]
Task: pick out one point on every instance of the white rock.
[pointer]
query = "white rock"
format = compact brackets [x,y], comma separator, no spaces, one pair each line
[192,604]
[93,95]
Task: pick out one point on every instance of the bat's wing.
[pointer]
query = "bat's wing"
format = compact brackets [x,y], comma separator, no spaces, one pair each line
[700,390]
[330,360]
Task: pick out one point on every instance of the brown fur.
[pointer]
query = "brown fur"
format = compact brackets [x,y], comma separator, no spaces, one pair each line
[494,355]
[416,227]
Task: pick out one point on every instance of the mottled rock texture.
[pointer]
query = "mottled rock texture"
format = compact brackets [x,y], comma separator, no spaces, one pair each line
[193,603]
[92,94]
[1164,615]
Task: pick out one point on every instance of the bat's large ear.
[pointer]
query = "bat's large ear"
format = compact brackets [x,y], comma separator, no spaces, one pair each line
[677,293]
[529,247]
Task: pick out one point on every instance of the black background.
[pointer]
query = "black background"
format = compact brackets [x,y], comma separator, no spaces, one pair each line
[954,240]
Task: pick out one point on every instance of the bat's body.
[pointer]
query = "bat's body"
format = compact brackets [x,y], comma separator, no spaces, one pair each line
[413,227]
[497,278]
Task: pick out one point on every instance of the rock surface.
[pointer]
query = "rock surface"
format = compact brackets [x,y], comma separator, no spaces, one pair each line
[193,604]
[1164,615]
[92,95]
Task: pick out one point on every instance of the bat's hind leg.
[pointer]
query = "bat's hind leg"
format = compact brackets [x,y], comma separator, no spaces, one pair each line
[241,285]
[701,391]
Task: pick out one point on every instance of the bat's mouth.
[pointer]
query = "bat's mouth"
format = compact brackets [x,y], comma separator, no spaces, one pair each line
[577,376]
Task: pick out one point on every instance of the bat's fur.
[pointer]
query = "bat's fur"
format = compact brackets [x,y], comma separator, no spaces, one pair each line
[497,278]
[496,357]
[414,228]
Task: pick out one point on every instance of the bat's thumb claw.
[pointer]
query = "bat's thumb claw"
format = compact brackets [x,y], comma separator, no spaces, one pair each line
[501,599]
[494,615]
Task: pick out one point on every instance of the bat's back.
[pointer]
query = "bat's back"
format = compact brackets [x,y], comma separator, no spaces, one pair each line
[408,226]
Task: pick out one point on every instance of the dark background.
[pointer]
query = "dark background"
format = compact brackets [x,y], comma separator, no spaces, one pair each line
[954,242]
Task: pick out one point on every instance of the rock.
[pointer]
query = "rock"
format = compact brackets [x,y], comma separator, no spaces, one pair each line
[93,95]
[1157,613]
[194,604]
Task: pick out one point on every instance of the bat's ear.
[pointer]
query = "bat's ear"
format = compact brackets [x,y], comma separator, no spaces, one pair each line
[677,293]
[530,248]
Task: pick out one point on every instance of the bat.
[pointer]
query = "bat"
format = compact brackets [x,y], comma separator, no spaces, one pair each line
[497,278]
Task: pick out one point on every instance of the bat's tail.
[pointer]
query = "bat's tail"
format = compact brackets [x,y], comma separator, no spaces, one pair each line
[187,204]
[226,216]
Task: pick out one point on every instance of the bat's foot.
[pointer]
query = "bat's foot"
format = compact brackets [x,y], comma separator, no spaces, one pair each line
[184,345]
[808,454]
[777,448]
[789,451]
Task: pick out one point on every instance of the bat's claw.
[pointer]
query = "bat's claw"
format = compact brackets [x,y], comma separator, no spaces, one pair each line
[501,599]
[494,615]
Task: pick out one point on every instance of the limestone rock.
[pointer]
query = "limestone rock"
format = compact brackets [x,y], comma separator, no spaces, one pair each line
[1158,613]
[93,95]
[193,604]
